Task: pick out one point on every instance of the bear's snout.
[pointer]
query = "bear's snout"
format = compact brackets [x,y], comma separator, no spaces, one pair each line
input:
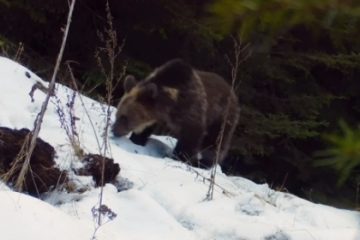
[119,131]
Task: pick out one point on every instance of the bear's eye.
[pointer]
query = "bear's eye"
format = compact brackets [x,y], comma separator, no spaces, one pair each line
[123,120]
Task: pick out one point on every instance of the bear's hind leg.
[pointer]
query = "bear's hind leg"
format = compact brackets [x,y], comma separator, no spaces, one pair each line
[212,153]
[208,150]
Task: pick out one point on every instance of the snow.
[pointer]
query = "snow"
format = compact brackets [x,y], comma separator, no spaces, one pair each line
[160,197]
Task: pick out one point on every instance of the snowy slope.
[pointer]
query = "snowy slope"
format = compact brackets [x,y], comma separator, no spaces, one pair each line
[164,198]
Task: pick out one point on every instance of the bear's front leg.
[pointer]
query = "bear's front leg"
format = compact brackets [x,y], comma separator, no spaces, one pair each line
[188,145]
[142,138]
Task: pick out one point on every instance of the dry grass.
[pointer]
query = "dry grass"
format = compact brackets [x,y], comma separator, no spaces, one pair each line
[67,117]
[12,51]
[106,57]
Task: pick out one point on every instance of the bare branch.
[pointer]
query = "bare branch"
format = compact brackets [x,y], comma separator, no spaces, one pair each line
[25,160]
[41,87]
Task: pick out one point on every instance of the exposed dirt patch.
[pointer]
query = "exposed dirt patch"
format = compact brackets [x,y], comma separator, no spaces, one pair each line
[42,176]
[93,165]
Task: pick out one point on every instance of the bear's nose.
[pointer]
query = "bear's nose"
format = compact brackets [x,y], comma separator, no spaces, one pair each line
[117,131]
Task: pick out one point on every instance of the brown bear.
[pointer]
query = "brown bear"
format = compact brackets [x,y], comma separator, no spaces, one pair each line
[192,104]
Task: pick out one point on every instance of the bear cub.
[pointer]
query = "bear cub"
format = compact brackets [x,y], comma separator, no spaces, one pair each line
[191,104]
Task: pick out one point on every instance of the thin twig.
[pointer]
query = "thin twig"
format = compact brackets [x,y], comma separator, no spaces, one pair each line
[76,88]
[219,142]
[357,196]
[210,180]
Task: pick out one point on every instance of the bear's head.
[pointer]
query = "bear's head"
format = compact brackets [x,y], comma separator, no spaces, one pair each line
[151,100]
[142,105]
[135,110]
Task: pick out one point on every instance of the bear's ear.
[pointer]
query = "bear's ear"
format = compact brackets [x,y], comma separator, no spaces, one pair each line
[129,82]
[151,90]
[172,93]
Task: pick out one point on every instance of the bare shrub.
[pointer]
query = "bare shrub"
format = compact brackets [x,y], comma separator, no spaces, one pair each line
[106,57]
[10,50]
[241,53]
[68,120]
[23,158]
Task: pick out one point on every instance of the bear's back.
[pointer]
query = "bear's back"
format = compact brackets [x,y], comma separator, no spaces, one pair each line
[218,93]
[175,73]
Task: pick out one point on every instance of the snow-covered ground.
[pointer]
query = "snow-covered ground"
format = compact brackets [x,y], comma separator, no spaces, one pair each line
[161,198]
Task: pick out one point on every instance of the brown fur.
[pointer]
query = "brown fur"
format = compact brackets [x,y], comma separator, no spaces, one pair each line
[190,103]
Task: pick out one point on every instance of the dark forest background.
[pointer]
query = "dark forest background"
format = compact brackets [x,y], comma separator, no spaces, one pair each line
[298,81]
